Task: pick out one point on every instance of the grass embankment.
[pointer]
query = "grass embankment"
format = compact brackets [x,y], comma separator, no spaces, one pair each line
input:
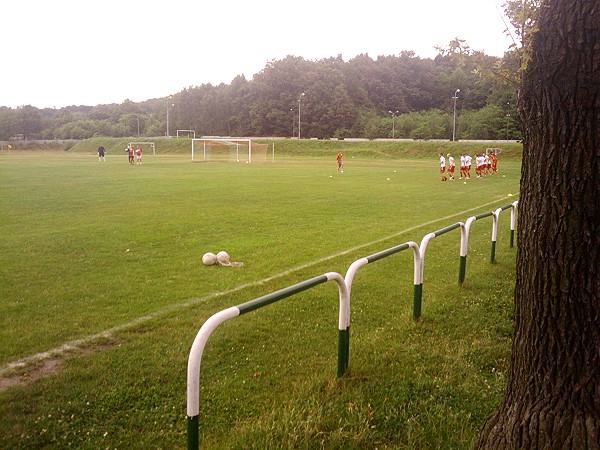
[289,148]
[89,247]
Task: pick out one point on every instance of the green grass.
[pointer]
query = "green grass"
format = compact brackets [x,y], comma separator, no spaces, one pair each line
[89,247]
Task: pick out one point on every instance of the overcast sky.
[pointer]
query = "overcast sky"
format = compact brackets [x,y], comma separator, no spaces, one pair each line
[88,52]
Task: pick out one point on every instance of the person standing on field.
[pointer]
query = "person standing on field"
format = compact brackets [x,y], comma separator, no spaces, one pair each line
[451,166]
[442,166]
[469,162]
[101,154]
[129,151]
[479,162]
[494,159]
[340,163]
[138,155]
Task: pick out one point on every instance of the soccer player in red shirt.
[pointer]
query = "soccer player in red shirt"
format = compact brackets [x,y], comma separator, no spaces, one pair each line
[340,162]
[129,151]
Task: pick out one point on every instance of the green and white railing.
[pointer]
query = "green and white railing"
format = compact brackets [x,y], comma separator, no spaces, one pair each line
[464,244]
[423,249]
[495,219]
[195,357]
[351,272]
[513,219]
[344,290]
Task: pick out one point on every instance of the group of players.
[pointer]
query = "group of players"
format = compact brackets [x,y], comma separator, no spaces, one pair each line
[131,152]
[484,165]
[137,152]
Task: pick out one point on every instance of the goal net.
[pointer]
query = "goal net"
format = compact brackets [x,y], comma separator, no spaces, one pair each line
[228,150]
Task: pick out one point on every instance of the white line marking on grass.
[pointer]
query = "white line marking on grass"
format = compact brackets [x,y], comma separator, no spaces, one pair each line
[78,344]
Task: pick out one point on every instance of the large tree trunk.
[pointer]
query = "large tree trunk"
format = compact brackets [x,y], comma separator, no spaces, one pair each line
[552,398]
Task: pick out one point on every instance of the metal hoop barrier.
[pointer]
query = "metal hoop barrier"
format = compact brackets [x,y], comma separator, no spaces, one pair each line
[195,357]
[351,272]
[495,218]
[423,248]
[464,244]
[513,213]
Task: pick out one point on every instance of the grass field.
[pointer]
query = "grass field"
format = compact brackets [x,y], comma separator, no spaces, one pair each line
[100,268]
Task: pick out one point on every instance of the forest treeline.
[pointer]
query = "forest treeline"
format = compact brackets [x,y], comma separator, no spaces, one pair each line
[401,96]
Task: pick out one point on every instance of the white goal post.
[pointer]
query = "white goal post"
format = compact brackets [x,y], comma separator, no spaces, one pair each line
[151,144]
[189,133]
[228,149]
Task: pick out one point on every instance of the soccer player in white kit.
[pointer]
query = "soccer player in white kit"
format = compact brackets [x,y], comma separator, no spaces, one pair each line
[468,161]
[451,166]
[442,166]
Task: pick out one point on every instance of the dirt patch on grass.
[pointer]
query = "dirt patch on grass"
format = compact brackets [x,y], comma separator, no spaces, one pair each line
[22,378]
[28,370]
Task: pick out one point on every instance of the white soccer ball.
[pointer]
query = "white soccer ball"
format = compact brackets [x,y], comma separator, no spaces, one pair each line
[209,259]
[223,258]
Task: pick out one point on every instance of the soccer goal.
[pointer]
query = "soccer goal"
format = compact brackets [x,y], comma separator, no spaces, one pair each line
[186,133]
[228,150]
[151,144]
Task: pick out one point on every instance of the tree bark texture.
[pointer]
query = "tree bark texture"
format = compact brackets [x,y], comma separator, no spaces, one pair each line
[552,398]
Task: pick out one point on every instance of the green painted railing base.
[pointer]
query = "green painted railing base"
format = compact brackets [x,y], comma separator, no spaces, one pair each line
[418,295]
[192,433]
[493,252]
[343,351]
[512,238]
[462,270]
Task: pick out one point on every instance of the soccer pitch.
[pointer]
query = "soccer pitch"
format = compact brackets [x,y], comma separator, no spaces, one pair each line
[108,255]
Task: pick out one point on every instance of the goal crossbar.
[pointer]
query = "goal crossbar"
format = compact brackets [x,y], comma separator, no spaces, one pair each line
[189,132]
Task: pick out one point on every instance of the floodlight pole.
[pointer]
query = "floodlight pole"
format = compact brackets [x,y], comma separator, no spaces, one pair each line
[393,123]
[299,101]
[172,104]
[293,121]
[507,118]
[454,126]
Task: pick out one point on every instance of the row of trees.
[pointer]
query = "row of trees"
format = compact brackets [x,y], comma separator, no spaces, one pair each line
[402,96]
